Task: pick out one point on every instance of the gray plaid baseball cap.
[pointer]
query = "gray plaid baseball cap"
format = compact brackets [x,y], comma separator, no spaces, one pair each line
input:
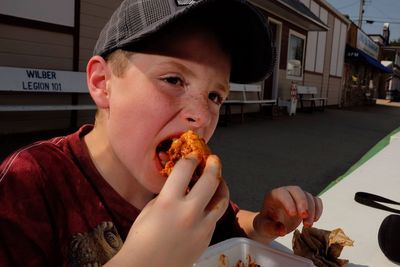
[244,29]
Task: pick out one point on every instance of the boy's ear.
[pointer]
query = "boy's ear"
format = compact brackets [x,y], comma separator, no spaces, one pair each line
[97,75]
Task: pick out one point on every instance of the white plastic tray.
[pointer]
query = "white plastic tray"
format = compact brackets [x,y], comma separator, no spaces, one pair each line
[236,249]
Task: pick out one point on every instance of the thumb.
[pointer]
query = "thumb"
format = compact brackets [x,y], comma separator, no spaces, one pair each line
[269,227]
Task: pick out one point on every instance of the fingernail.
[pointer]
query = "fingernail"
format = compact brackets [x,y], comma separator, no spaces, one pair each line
[304,214]
[307,224]
[193,155]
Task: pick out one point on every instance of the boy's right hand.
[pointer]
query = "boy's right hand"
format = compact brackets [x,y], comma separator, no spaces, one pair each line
[176,227]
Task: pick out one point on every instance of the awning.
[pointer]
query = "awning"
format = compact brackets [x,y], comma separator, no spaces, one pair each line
[356,54]
[293,11]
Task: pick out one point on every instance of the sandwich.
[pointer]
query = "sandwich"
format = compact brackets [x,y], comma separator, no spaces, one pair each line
[188,142]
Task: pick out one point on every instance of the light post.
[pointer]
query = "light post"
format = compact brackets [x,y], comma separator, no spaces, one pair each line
[361,13]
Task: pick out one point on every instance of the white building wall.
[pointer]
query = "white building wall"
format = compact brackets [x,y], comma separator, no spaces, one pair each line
[43,38]
[342,49]
[335,47]
[41,10]
[325,52]
[312,39]
[316,41]
[320,55]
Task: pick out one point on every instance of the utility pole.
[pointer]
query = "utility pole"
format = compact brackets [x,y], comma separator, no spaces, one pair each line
[361,13]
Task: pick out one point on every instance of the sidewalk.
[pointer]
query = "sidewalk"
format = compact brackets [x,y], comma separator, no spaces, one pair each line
[310,150]
[379,175]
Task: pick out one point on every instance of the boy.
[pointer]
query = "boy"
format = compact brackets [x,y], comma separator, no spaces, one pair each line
[97,197]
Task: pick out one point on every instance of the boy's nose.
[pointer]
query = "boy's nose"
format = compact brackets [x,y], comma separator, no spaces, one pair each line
[197,113]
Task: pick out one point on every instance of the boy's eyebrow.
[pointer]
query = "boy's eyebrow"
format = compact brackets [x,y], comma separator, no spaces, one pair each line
[178,65]
[221,86]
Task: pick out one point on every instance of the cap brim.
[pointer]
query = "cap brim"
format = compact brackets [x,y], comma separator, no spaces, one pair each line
[247,36]
[249,40]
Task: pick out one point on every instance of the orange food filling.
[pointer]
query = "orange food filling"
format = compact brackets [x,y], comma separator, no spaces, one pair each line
[188,142]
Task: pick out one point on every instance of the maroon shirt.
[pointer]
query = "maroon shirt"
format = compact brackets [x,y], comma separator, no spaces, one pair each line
[57,210]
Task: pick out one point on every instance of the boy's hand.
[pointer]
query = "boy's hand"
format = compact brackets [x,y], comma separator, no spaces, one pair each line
[176,227]
[284,209]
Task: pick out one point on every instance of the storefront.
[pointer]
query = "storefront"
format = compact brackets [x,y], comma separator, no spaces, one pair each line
[390,86]
[290,23]
[363,70]
[310,36]
[61,34]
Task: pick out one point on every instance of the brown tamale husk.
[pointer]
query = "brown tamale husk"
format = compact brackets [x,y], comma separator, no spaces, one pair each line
[321,246]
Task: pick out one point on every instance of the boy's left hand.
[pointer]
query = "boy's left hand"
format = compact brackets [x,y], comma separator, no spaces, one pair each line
[284,209]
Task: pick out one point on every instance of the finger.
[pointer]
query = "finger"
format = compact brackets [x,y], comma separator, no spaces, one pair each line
[318,208]
[218,204]
[178,181]
[205,187]
[278,198]
[219,200]
[308,222]
[300,198]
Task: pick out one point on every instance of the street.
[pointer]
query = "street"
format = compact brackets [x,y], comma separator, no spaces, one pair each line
[309,150]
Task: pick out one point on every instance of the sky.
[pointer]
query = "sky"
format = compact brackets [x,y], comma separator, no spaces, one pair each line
[379,11]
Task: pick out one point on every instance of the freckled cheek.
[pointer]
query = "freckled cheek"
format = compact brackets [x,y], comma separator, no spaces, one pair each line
[212,126]
[160,107]
[144,103]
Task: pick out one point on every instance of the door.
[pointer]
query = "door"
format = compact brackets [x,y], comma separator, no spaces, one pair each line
[271,83]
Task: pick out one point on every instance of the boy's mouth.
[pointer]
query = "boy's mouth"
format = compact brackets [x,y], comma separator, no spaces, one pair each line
[171,150]
[162,151]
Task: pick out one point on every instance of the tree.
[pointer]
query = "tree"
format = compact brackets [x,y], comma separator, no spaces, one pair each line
[395,42]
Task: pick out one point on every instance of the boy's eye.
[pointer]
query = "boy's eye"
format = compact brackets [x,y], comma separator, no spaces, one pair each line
[216,98]
[173,80]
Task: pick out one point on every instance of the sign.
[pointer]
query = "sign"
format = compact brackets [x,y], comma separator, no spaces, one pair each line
[353,54]
[367,45]
[59,12]
[42,80]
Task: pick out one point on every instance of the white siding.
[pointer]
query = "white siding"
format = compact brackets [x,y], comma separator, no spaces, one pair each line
[338,48]
[342,47]
[314,8]
[323,15]
[306,2]
[52,11]
[319,63]
[94,15]
[33,48]
[335,46]
[320,58]
[316,42]
[311,48]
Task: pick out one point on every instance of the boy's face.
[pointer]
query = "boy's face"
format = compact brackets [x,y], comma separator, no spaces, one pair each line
[161,95]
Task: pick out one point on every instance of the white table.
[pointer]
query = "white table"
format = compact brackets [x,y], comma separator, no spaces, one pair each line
[379,175]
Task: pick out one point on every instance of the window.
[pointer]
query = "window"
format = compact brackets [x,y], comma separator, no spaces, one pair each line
[316,42]
[295,55]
